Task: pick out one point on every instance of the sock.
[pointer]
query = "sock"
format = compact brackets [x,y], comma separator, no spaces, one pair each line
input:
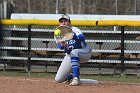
[70,76]
[75,70]
[75,66]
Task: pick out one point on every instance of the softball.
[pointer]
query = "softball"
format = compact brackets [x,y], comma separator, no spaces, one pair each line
[57,32]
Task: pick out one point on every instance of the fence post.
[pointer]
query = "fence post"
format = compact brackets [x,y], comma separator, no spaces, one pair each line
[29,49]
[1,43]
[122,50]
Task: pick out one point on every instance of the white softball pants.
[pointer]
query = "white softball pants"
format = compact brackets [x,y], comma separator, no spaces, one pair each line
[64,70]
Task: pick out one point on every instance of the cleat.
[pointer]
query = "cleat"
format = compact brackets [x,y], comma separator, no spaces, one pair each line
[75,82]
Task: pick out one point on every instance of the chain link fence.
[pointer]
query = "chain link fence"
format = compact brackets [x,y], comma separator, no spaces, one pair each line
[31,48]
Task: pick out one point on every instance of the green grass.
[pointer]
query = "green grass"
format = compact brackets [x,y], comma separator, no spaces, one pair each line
[117,78]
[24,74]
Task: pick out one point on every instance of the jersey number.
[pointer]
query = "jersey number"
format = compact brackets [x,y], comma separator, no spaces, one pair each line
[71,44]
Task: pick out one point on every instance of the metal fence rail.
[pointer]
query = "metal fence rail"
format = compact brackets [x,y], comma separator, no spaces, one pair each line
[35,44]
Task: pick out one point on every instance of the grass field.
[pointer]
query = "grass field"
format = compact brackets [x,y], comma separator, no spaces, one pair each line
[118,78]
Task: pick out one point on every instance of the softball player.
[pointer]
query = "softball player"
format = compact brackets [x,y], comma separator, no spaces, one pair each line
[77,51]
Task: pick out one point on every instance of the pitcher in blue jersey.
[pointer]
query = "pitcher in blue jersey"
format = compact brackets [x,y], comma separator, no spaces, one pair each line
[77,51]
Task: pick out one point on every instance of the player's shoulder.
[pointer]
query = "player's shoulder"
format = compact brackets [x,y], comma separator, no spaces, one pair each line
[74,28]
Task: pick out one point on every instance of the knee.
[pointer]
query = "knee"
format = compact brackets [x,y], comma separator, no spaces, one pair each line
[59,80]
[74,53]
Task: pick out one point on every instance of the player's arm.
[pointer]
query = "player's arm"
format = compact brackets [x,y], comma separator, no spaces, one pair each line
[80,37]
[62,44]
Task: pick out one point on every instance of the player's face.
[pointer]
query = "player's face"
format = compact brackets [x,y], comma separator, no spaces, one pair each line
[64,22]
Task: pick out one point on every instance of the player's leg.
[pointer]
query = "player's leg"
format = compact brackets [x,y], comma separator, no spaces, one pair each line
[75,62]
[85,54]
[77,56]
[64,70]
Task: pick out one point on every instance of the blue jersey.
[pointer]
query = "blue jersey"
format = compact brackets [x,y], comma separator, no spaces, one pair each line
[77,42]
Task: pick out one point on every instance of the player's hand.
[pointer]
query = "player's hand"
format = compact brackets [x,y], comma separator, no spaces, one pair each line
[63,43]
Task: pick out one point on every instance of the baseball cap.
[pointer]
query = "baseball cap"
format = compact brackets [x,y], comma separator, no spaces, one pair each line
[64,16]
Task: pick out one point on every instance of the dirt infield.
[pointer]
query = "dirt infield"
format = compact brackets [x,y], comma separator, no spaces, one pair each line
[46,85]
